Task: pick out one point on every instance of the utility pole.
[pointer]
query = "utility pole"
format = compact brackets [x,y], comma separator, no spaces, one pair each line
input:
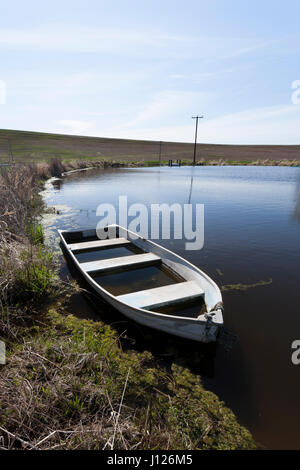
[10,152]
[196,131]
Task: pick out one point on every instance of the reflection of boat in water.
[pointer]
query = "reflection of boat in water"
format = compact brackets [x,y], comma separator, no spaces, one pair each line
[179,298]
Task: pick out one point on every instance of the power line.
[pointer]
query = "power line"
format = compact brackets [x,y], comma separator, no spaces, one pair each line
[196,132]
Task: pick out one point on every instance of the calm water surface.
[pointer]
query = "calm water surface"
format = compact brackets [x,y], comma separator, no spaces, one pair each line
[252,233]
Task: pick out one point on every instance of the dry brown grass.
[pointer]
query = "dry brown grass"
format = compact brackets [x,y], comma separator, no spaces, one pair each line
[27,269]
[17,200]
[69,385]
[43,170]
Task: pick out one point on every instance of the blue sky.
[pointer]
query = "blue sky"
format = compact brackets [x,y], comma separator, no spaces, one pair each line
[141,69]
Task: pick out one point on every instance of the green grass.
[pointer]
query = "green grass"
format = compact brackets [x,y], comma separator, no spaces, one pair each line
[83,383]
[238,162]
[152,163]
[35,233]
[35,278]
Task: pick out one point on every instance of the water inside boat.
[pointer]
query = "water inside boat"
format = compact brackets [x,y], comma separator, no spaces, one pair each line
[126,280]
[136,279]
[107,253]
[190,308]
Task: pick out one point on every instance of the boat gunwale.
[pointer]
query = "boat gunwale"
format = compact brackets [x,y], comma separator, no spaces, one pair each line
[137,309]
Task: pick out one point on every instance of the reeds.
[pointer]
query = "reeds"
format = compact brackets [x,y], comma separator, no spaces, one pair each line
[19,203]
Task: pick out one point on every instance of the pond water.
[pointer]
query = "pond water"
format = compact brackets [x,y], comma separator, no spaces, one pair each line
[252,238]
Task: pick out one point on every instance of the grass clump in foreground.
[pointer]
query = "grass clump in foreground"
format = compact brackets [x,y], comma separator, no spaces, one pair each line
[67,383]
[36,277]
[35,233]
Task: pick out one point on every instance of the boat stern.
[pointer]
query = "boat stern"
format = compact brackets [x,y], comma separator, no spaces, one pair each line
[213,322]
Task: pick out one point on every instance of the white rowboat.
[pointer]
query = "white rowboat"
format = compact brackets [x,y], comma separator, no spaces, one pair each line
[163,307]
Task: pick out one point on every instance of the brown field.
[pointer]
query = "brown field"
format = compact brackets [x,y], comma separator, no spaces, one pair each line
[36,146]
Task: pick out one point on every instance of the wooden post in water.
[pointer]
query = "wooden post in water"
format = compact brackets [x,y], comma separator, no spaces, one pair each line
[160,152]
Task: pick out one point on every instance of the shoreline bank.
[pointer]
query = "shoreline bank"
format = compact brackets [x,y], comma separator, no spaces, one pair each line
[78,370]
[72,166]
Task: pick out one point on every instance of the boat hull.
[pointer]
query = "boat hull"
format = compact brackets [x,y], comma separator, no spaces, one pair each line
[204,329]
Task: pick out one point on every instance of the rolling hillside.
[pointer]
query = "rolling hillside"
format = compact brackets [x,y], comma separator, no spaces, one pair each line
[36,146]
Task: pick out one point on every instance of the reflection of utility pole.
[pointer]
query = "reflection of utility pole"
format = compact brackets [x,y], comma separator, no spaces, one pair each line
[191,187]
[160,152]
[196,131]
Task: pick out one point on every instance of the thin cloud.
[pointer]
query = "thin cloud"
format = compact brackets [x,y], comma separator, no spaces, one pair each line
[269,125]
[87,40]
[132,42]
[255,46]
[76,127]
[167,104]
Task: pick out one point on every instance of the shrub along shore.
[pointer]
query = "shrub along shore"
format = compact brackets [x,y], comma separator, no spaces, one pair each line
[73,165]
[68,383]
